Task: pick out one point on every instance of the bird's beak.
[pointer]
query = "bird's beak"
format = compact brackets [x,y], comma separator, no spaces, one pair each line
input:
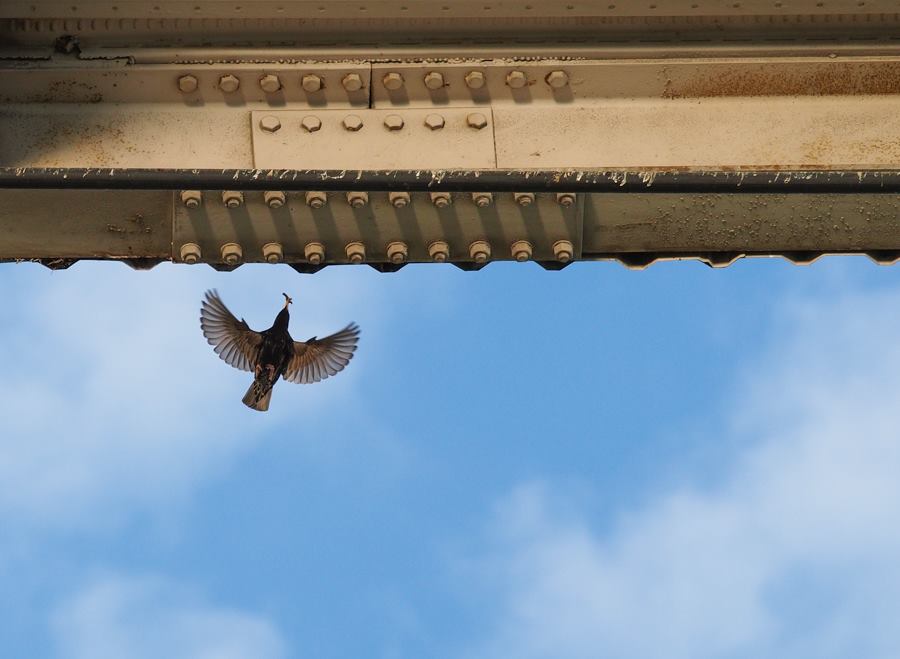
[287,300]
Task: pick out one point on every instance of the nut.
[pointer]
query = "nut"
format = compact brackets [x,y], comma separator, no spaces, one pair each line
[190,253]
[524,198]
[482,199]
[232,253]
[270,123]
[434,121]
[434,80]
[352,122]
[521,250]
[191,198]
[565,199]
[476,120]
[393,122]
[480,251]
[563,250]
[270,83]
[557,79]
[229,83]
[274,199]
[399,199]
[397,252]
[439,251]
[232,198]
[356,252]
[516,79]
[316,199]
[392,81]
[311,82]
[311,123]
[474,80]
[188,84]
[352,82]
[357,199]
[314,253]
[272,252]
[441,199]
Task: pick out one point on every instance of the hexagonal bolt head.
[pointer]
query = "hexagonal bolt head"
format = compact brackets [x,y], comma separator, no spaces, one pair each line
[521,250]
[191,198]
[524,198]
[398,199]
[392,81]
[356,252]
[480,251]
[516,79]
[190,253]
[557,79]
[269,123]
[311,82]
[273,253]
[434,80]
[274,198]
[357,199]
[474,79]
[563,250]
[352,82]
[311,124]
[476,120]
[188,84]
[393,122]
[316,199]
[434,121]
[483,199]
[314,253]
[441,199]
[232,253]
[270,83]
[232,198]
[397,252]
[229,83]
[439,251]
[352,122]
[565,199]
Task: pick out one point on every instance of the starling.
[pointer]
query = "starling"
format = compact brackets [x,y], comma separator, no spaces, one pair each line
[273,354]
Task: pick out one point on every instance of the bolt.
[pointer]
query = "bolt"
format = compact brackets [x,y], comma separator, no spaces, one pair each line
[516,79]
[314,253]
[482,199]
[563,250]
[356,252]
[565,199]
[476,120]
[191,198]
[441,199]
[352,82]
[188,84]
[399,199]
[232,253]
[434,121]
[353,122]
[311,82]
[521,250]
[274,199]
[393,122]
[397,252]
[524,198]
[232,198]
[316,199]
[311,124]
[474,80]
[229,83]
[270,83]
[190,253]
[270,123]
[557,79]
[392,81]
[357,199]
[480,251]
[439,251]
[272,252]
[434,80]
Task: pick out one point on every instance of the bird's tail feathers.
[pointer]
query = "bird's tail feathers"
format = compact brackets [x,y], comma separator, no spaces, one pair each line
[258,395]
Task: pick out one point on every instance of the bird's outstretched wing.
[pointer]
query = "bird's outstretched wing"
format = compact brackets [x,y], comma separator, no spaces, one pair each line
[316,359]
[232,339]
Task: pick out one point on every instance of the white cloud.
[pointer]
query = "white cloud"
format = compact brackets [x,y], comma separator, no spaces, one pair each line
[792,553]
[137,618]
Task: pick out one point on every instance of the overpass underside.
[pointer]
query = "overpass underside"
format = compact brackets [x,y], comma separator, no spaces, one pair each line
[393,131]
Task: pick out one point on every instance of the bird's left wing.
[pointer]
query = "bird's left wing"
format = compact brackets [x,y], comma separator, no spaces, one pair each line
[316,359]
[232,339]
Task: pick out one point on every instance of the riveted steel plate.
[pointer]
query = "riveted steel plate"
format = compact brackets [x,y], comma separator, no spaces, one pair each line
[370,144]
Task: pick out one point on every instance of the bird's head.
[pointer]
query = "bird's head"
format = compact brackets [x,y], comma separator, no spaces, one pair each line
[287,300]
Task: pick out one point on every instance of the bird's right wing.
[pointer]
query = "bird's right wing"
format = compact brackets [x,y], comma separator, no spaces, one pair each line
[316,359]
[232,339]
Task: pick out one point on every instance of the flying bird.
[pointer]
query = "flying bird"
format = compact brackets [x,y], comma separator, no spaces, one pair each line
[273,354]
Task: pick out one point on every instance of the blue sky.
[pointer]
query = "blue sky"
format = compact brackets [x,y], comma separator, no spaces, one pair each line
[680,462]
